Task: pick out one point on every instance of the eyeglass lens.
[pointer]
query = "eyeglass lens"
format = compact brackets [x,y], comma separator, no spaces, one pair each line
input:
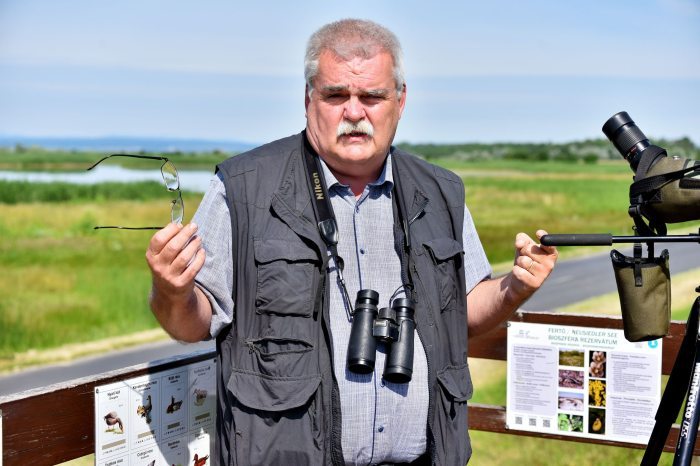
[172,181]
[178,209]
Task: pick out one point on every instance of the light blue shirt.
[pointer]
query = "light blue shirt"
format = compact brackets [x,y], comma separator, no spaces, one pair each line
[381,421]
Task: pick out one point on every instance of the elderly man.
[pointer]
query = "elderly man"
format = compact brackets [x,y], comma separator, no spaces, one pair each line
[292,231]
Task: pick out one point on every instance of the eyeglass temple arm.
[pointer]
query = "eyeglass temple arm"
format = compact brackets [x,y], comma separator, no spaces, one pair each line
[151,157]
[126,228]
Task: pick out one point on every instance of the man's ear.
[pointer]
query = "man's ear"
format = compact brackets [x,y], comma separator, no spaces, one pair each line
[307,97]
[402,100]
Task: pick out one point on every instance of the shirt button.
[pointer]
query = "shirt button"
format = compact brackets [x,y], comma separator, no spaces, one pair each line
[381,429]
[362,250]
[357,208]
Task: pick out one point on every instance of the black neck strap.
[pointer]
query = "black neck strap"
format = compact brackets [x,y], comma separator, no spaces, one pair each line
[403,248]
[328,228]
[323,210]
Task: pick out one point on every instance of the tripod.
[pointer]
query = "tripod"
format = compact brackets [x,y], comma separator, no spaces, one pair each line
[685,375]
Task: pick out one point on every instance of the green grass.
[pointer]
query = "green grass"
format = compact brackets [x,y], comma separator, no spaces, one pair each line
[64,282]
[502,207]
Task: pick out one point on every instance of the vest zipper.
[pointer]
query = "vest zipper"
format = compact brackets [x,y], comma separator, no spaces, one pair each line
[336,428]
[421,209]
[431,409]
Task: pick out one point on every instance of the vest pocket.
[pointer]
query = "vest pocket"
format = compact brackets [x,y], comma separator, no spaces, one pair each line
[286,275]
[451,412]
[446,254]
[281,358]
[457,382]
[275,419]
[271,394]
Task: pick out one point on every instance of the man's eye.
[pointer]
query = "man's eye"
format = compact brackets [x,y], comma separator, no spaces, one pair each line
[372,99]
[335,97]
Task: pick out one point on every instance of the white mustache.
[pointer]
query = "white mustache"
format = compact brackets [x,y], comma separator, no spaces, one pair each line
[348,127]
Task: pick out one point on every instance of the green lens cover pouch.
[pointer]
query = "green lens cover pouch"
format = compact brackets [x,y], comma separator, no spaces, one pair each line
[644,287]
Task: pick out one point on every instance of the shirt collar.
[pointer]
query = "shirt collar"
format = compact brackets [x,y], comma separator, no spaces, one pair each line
[385,177]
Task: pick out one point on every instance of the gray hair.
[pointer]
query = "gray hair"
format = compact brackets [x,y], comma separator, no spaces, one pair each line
[350,38]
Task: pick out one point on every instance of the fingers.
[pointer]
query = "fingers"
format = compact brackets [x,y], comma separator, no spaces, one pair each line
[175,255]
[187,255]
[172,239]
[548,249]
[533,259]
[526,246]
[161,238]
[533,264]
[526,263]
[522,240]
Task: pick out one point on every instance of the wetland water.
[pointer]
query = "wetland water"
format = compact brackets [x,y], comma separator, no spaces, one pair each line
[190,180]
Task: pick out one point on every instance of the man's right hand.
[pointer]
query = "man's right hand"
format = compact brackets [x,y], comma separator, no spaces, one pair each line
[175,255]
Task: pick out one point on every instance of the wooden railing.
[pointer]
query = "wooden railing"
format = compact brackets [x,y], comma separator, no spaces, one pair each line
[56,423]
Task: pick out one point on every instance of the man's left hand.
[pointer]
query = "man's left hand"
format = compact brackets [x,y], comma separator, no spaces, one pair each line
[533,264]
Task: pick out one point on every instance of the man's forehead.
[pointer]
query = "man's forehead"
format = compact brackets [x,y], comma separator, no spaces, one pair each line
[373,73]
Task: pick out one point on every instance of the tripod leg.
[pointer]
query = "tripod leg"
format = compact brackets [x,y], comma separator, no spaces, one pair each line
[676,387]
[691,415]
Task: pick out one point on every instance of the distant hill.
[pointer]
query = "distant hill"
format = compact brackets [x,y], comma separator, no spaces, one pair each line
[126,144]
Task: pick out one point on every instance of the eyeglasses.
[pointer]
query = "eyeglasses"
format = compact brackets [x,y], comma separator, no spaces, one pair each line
[172,183]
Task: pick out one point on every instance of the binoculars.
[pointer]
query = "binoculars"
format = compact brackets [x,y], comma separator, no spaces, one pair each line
[394,326]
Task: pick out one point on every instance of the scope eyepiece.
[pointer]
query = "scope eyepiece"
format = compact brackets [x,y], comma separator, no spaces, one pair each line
[627,138]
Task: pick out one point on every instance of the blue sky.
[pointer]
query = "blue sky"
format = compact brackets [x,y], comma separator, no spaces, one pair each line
[477,71]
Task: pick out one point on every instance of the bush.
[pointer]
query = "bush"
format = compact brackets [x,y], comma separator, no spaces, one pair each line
[590,159]
[14,192]
[565,156]
[525,153]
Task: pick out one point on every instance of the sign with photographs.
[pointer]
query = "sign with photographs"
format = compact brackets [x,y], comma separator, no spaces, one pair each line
[167,418]
[582,382]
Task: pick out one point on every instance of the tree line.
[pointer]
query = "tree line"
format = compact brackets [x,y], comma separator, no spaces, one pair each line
[588,151]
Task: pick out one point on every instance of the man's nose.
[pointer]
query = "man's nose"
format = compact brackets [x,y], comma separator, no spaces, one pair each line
[354,110]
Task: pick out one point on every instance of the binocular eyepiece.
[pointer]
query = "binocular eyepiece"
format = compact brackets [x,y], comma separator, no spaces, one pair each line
[394,326]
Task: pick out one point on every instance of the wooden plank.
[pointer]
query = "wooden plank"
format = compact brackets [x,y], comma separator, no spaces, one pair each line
[56,424]
[493,419]
[493,344]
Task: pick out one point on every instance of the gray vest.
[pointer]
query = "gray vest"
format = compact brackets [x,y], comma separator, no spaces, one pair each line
[278,398]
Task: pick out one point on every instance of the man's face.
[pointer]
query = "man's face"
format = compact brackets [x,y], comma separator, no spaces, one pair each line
[355,91]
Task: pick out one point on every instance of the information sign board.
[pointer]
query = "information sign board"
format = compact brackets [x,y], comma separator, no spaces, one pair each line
[166,418]
[582,382]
